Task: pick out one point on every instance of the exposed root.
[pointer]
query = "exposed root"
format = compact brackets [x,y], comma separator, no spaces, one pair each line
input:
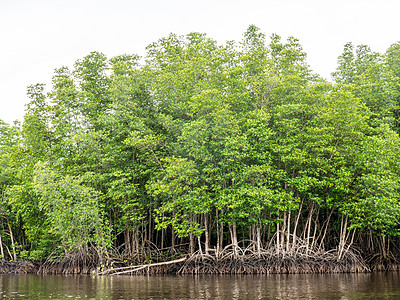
[237,260]
[21,267]
[379,263]
[271,261]
[232,259]
[80,262]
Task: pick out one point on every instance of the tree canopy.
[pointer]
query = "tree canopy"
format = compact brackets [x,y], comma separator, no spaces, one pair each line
[205,144]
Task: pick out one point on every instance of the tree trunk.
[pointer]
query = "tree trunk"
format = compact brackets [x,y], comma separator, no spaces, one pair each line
[135,242]
[200,249]
[172,239]
[342,238]
[191,243]
[127,242]
[207,234]
[1,249]
[283,231]
[288,232]
[220,234]
[232,229]
[162,238]
[12,242]
[295,225]
[258,237]
[277,238]
[325,226]
[308,226]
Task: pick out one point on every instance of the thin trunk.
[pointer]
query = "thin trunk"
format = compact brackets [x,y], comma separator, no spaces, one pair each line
[173,235]
[342,239]
[277,238]
[191,236]
[127,242]
[172,238]
[309,221]
[352,239]
[384,253]
[315,232]
[1,249]
[220,235]
[232,229]
[258,234]
[371,237]
[144,239]
[263,232]
[309,228]
[207,234]
[288,232]
[191,243]
[8,251]
[199,242]
[251,236]
[157,235]
[296,224]
[151,231]
[283,231]
[388,245]
[162,237]
[12,242]
[325,226]
[135,241]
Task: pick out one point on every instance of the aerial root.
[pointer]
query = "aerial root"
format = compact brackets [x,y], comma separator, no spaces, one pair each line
[231,260]
[17,267]
[247,261]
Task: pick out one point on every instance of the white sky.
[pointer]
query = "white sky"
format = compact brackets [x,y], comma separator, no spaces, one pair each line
[37,36]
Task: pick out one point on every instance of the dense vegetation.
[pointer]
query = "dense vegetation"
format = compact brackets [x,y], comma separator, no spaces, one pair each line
[206,148]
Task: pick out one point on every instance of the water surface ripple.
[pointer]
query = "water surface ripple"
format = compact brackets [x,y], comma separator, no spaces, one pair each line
[332,286]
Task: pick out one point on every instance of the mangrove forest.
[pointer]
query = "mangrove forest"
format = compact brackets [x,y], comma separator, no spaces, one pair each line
[203,157]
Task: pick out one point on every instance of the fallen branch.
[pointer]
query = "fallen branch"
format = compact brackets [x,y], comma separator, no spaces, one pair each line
[132,269]
[116,269]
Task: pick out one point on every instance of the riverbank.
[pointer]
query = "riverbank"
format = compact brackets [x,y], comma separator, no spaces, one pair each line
[227,262]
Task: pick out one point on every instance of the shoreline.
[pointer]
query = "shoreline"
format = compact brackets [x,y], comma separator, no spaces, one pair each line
[198,264]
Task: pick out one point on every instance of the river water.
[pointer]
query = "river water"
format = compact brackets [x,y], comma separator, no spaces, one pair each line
[333,286]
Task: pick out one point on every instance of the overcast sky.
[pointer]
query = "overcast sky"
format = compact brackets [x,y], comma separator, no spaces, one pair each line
[37,36]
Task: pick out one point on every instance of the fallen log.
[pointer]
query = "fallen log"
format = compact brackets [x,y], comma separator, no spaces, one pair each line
[105,272]
[132,269]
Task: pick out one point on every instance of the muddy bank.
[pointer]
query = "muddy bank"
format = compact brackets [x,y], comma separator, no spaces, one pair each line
[201,263]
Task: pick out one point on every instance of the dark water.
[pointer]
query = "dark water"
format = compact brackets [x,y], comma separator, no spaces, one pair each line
[335,286]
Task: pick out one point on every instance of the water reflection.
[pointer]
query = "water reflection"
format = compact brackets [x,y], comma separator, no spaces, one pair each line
[333,286]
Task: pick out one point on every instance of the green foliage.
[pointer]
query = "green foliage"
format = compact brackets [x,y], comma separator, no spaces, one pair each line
[72,210]
[199,134]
